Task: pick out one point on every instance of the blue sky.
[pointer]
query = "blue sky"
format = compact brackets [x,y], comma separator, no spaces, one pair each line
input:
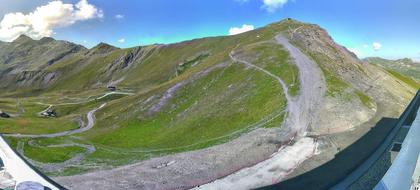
[393,25]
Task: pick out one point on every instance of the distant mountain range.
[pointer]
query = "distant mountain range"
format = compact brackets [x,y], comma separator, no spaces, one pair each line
[404,66]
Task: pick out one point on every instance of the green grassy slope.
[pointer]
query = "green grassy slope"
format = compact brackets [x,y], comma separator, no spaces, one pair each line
[411,82]
[216,101]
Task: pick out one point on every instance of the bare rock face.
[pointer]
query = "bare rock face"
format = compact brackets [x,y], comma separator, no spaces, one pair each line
[125,61]
[340,118]
[344,109]
[113,72]
[24,62]
[40,79]
[26,54]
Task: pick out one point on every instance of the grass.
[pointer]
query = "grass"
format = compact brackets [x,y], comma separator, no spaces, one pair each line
[52,154]
[206,112]
[335,86]
[411,82]
[366,100]
[276,60]
[276,121]
[220,103]
[31,123]
[189,63]
[9,105]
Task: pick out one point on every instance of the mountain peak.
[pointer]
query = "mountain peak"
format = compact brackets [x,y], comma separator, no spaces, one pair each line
[46,39]
[102,48]
[103,45]
[23,38]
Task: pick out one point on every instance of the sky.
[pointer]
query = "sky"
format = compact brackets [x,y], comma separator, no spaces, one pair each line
[383,28]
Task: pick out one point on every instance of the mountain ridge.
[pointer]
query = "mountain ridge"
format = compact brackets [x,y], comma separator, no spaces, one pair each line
[193,100]
[405,69]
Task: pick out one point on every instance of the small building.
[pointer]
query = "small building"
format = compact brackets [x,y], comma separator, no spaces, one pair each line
[49,113]
[4,114]
[112,88]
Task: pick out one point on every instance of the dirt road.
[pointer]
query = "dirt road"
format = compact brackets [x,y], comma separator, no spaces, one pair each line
[302,111]
[91,122]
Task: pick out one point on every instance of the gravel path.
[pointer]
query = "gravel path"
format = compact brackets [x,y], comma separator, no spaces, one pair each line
[88,99]
[302,111]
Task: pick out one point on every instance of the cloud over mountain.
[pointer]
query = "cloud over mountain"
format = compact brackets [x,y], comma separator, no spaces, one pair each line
[44,19]
[238,30]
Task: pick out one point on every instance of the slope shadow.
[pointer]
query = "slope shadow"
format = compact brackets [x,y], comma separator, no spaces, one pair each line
[344,162]
[372,177]
[349,159]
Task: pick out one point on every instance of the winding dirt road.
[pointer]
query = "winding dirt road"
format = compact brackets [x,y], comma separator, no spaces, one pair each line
[88,99]
[302,111]
[82,128]
[91,121]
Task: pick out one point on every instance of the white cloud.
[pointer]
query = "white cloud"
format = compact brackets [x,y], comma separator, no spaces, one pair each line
[365,46]
[237,30]
[273,5]
[44,19]
[122,40]
[119,16]
[376,46]
[355,51]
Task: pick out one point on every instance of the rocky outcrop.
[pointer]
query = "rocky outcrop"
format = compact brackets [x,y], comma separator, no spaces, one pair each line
[32,79]
[114,71]
[352,79]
